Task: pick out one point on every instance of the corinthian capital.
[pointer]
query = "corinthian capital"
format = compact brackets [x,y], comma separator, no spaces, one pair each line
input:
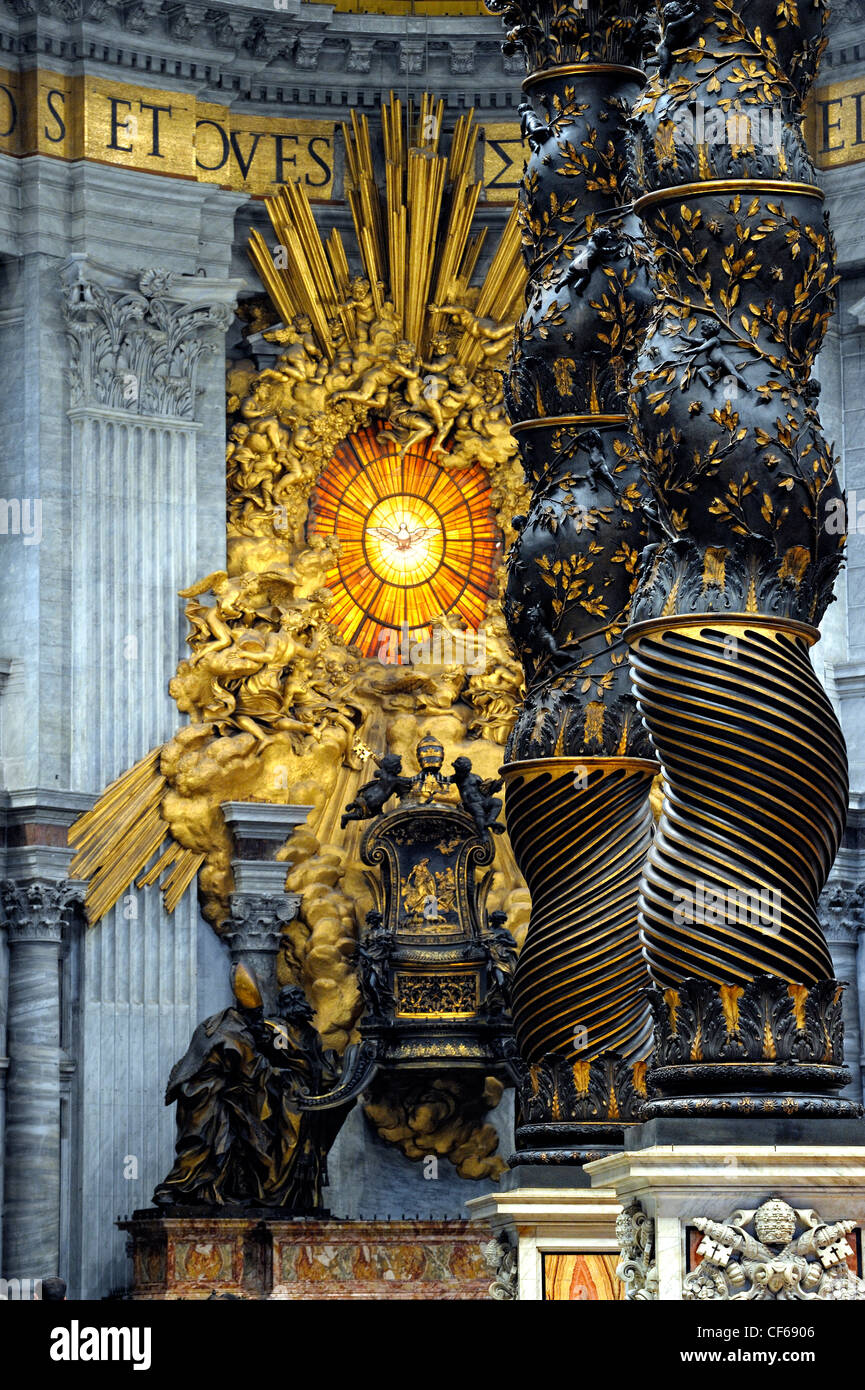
[39,911]
[136,342]
[257,919]
[842,912]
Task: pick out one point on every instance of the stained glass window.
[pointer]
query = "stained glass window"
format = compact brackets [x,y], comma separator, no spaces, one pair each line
[416,539]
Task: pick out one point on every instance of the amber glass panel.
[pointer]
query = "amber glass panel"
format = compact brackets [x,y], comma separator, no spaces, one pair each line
[416,539]
[582,1278]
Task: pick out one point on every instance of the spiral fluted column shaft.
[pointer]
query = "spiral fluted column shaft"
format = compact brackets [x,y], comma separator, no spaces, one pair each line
[755,802]
[580,831]
[747,534]
[578,772]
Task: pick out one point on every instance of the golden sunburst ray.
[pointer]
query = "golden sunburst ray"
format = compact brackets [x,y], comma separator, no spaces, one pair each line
[117,837]
[418,251]
[245,685]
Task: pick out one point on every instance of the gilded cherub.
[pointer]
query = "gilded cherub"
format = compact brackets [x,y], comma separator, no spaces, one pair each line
[302,356]
[255,650]
[202,692]
[461,396]
[308,572]
[272,692]
[441,356]
[360,301]
[482,435]
[490,335]
[414,417]
[495,692]
[243,599]
[378,380]
[385,329]
[258,454]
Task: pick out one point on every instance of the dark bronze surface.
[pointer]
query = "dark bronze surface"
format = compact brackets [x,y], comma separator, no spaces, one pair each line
[577,772]
[755,764]
[240,1142]
[767,1047]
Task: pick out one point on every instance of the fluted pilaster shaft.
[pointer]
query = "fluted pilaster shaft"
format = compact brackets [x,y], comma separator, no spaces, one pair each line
[36,914]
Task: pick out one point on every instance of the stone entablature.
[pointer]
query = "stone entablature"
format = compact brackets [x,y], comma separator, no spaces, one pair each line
[267,53]
[249,49]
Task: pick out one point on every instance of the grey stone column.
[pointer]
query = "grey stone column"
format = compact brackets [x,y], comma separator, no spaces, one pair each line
[260,906]
[253,934]
[36,915]
[4,1067]
[842,917]
[146,480]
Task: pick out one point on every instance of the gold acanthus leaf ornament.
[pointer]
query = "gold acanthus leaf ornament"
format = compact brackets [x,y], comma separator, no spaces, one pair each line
[278,703]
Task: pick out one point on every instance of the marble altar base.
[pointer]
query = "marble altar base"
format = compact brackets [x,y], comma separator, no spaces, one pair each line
[251,1257]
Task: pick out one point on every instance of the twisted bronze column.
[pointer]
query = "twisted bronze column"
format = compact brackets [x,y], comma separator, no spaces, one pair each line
[741,565]
[579,768]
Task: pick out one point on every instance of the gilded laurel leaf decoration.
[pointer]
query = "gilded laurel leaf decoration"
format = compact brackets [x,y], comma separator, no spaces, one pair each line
[744,548]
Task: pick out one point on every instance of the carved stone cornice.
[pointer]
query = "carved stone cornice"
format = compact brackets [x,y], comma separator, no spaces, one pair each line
[270,38]
[308,50]
[140,15]
[842,912]
[413,56]
[463,55]
[360,51]
[299,33]
[226,28]
[39,911]
[134,34]
[184,21]
[136,348]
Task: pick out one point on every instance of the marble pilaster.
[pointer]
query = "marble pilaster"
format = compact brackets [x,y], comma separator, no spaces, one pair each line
[842,917]
[253,933]
[146,451]
[4,1067]
[260,906]
[36,916]
[260,829]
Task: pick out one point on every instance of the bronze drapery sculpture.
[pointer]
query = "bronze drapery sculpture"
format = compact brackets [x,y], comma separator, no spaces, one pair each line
[240,1141]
